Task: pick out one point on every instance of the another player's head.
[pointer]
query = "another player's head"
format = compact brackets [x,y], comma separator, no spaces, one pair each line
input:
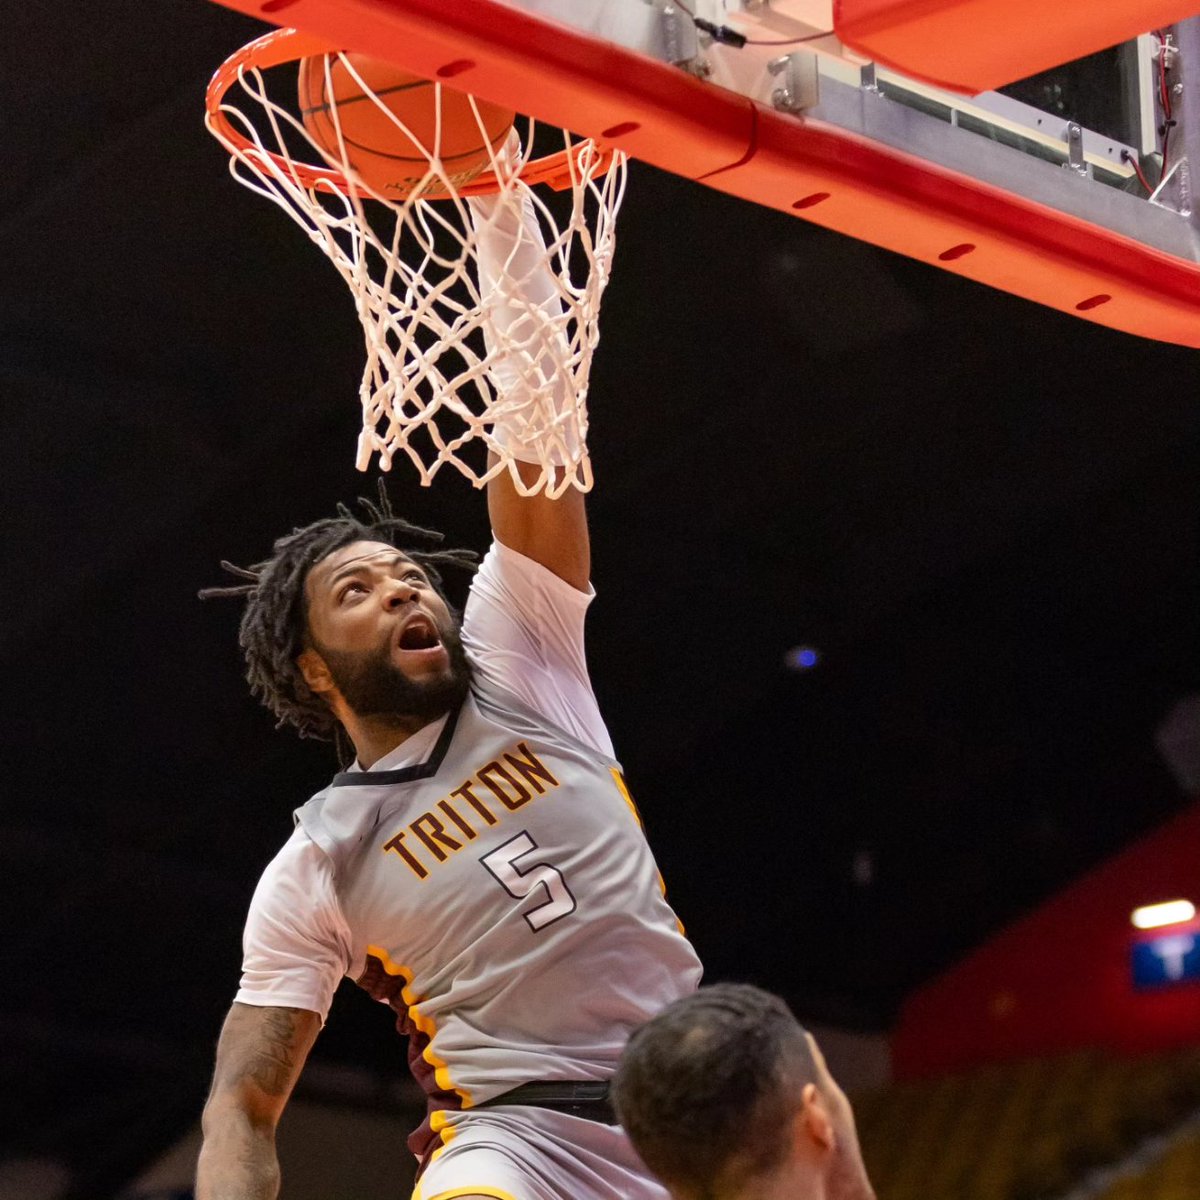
[726,1097]
[347,621]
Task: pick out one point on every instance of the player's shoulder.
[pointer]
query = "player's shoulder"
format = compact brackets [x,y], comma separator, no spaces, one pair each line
[297,864]
[295,891]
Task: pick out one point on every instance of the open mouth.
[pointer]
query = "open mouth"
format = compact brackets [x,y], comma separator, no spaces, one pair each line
[419,634]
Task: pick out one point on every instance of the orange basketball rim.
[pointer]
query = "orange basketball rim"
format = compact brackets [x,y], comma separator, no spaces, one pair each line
[283,46]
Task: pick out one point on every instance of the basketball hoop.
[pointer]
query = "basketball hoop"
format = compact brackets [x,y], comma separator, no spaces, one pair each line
[442,369]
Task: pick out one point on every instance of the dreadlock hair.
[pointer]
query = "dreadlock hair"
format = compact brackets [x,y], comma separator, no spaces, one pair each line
[272,630]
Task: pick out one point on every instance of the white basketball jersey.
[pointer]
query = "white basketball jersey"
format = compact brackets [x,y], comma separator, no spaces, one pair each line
[501,897]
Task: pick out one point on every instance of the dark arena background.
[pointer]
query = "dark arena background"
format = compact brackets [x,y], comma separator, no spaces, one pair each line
[897,635]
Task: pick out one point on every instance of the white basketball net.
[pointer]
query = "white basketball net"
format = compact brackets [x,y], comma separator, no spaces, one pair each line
[454,358]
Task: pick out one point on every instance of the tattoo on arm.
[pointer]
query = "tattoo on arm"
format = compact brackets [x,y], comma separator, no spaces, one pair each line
[262,1051]
[270,1061]
[259,1059]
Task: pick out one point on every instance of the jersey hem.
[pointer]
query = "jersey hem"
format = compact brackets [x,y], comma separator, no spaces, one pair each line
[467,1191]
[279,1002]
[548,577]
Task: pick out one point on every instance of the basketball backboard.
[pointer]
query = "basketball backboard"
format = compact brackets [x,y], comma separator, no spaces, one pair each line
[1052,188]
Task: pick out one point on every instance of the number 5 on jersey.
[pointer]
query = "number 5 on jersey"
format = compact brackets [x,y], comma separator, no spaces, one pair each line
[521,882]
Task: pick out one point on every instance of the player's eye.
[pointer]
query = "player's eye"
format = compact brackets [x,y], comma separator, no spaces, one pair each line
[414,576]
[353,586]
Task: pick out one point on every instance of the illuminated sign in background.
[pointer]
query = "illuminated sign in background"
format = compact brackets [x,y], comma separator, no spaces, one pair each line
[1167,959]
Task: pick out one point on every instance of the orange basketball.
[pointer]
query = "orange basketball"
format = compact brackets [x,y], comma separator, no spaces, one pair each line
[379,152]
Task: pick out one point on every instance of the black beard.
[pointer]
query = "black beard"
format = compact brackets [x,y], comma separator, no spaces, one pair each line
[372,686]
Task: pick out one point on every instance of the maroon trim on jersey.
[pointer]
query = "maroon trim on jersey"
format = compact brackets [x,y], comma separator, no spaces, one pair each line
[389,989]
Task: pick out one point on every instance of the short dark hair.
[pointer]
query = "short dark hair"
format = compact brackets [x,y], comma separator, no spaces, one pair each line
[276,615]
[708,1087]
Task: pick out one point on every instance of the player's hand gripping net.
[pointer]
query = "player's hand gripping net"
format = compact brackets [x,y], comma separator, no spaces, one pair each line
[479,309]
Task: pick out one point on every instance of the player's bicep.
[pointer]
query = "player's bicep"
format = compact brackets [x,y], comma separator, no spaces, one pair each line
[551,532]
[259,1058]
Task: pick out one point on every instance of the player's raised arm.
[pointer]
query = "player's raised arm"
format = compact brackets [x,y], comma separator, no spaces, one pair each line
[551,532]
[259,1058]
[519,290]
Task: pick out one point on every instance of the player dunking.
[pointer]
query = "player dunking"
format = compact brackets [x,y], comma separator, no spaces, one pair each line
[479,867]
